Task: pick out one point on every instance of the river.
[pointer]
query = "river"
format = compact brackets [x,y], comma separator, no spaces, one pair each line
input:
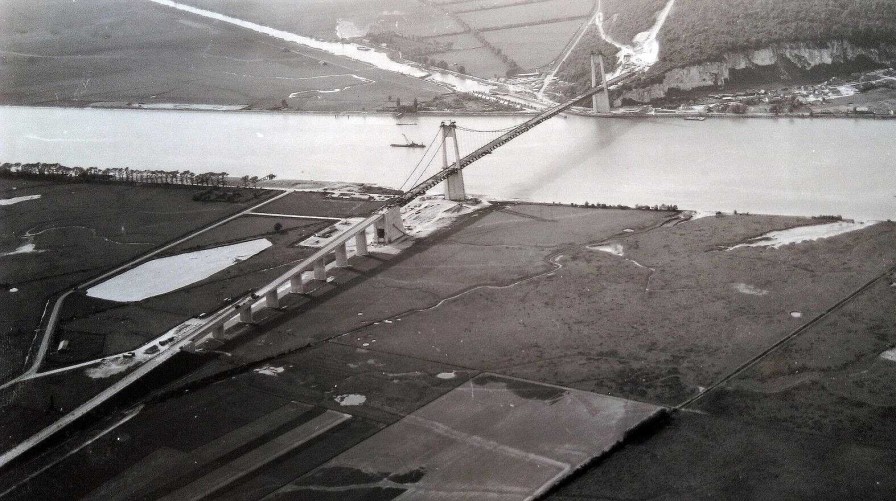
[773,166]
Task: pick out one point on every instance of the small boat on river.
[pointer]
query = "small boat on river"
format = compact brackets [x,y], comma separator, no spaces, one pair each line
[408,144]
[696,119]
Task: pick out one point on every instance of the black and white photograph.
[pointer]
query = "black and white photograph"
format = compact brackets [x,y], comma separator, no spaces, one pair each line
[449,250]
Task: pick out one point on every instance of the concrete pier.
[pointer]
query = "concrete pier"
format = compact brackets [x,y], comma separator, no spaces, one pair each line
[361,243]
[296,286]
[320,269]
[271,299]
[341,256]
[246,313]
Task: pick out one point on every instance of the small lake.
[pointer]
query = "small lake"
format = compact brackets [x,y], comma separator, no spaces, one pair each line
[773,166]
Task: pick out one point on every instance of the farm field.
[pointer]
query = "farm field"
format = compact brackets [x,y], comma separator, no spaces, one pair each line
[96,327]
[537,45]
[479,62]
[77,231]
[460,42]
[671,307]
[527,13]
[529,46]
[319,19]
[469,6]
[124,53]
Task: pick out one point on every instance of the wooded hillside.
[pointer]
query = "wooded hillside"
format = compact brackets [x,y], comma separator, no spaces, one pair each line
[703,30]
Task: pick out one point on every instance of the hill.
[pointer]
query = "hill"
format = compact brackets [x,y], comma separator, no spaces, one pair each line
[809,34]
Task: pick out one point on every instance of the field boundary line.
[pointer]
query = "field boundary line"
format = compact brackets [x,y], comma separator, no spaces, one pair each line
[781,342]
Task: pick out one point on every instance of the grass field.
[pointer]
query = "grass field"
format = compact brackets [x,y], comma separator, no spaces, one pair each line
[460,42]
[319,18]
[523,290]
[473,5]
[527,13]
[479,62]
[534,46]
[531,46]
[77,53]
[78,231]
[96,327]
[128,53]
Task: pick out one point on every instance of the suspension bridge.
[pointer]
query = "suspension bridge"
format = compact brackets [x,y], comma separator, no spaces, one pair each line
[451,174]
[387,226]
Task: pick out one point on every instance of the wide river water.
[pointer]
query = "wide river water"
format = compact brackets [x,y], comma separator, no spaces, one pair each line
[772,166]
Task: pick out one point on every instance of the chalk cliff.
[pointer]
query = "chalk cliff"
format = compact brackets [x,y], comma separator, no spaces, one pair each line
[803,55]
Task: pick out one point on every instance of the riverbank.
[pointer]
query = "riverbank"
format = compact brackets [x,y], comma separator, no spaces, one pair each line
[480,107]
[702,116]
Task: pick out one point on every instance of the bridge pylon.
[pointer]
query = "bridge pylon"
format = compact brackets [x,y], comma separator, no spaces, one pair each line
[600,101]
[454,183]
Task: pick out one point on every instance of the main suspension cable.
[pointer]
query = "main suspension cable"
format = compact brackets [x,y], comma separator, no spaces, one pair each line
[420,176]
[467,129]
[426,152]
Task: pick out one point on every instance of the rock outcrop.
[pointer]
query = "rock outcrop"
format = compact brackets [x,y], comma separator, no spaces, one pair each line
[803,55]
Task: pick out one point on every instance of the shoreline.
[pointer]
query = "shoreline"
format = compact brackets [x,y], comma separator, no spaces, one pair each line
[341,189]
[210,108]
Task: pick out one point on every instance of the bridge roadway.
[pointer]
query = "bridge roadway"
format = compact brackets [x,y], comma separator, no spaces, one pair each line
[429,183]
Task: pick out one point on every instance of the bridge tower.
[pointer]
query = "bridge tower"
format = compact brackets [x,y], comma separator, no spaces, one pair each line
[600,101]
[454,184]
